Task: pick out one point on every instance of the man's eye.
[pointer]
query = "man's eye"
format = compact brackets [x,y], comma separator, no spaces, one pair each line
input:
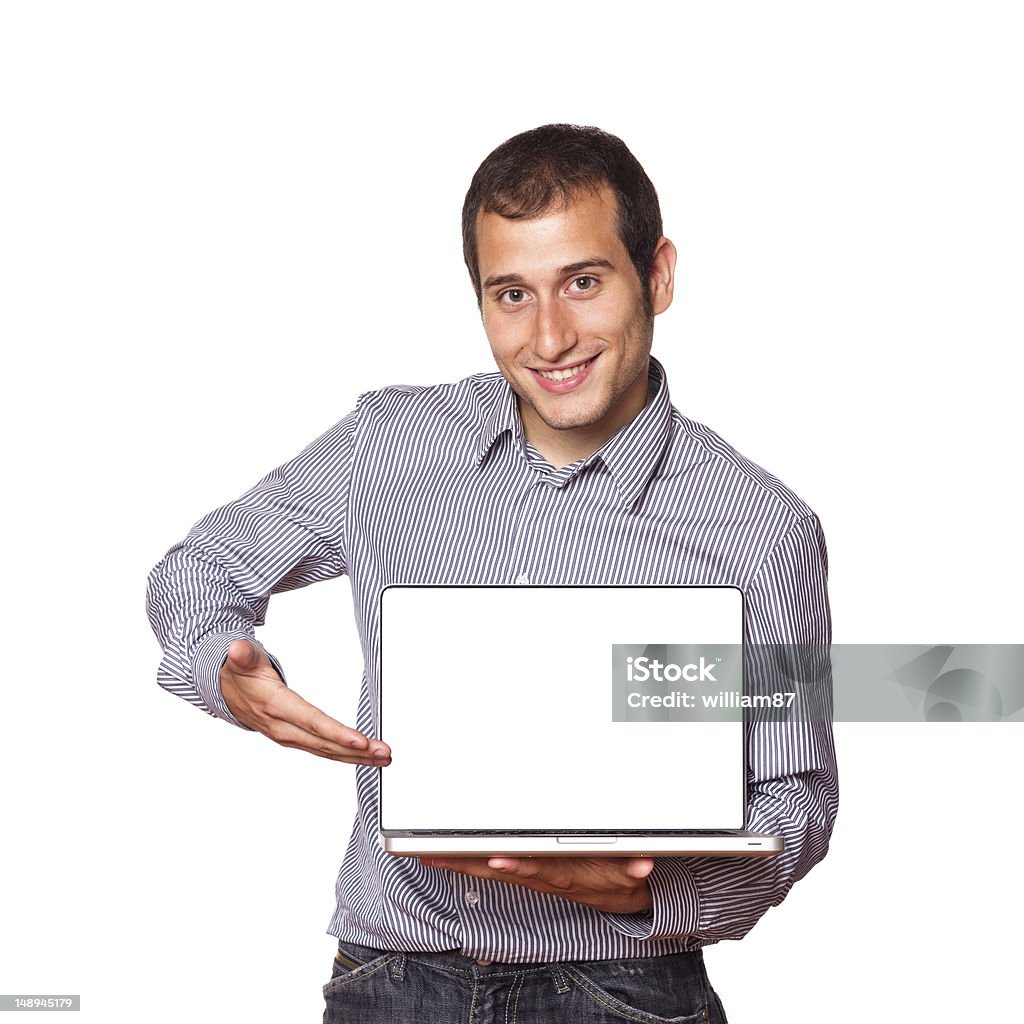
[513,295]
[584,284]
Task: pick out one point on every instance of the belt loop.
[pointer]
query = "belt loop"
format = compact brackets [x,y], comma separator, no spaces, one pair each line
[398,967]
[561,985]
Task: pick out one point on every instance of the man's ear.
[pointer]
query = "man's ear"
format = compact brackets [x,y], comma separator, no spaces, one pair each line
[663,275]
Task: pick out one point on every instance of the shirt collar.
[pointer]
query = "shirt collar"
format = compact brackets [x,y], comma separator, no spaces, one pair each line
[503,418]
[631,455]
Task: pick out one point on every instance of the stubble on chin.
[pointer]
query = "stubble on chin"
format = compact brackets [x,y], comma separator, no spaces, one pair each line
[570,419]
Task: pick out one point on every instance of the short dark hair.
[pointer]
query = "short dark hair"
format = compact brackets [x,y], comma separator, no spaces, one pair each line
[553,165]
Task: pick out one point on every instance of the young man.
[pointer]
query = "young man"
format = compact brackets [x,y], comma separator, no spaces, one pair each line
[570,466]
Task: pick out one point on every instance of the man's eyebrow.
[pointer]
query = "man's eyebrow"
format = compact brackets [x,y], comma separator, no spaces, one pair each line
[592,264]
[493,282]
[570,268]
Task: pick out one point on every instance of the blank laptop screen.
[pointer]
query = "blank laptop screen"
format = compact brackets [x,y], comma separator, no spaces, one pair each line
[531,708]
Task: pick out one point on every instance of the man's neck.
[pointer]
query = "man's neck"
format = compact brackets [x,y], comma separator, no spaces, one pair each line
[564,447]
[561,447]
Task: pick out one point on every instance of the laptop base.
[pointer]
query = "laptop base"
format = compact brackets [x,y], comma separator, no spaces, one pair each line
[697,844]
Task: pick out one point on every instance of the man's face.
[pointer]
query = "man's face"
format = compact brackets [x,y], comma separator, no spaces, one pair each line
[564,314]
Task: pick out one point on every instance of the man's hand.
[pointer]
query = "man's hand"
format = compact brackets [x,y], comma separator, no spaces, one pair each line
[256,696]
[614,884]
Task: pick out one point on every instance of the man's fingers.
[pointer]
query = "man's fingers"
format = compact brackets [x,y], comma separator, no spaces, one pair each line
[287,706]
[524,867]
[477,866]
[607,883]
[321,725]
[558,868]
[293,721]
[550,873]
[545,873]
[289,735]
[639,867]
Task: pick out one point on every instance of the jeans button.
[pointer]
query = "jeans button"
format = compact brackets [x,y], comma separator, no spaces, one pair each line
[485,963]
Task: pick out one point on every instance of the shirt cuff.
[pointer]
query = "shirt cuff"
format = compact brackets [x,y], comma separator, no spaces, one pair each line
[207,660]
[676,904]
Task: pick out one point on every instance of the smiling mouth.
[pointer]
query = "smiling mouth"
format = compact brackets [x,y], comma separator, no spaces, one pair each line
[567,373]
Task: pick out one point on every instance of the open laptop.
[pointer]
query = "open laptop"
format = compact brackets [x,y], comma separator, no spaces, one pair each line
[577,720]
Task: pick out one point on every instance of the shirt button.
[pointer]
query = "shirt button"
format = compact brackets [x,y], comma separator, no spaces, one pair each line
[522,579]
[472,897]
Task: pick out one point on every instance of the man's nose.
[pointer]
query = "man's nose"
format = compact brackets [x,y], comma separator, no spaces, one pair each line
[555,331]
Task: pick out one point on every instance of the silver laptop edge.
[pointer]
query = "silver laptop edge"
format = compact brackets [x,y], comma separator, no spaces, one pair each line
[740,844]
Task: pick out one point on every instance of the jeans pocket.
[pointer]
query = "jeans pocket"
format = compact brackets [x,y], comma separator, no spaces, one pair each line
[638,1001]
[353,964]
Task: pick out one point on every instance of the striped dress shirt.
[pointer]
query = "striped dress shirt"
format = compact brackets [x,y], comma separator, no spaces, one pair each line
[438,485]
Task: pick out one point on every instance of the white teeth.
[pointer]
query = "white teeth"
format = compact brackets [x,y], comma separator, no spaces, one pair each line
[564,374]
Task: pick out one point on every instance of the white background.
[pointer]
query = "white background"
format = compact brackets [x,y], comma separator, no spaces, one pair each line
[219,223]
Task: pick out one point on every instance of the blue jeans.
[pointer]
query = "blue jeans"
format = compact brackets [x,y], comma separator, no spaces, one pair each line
[369,985]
